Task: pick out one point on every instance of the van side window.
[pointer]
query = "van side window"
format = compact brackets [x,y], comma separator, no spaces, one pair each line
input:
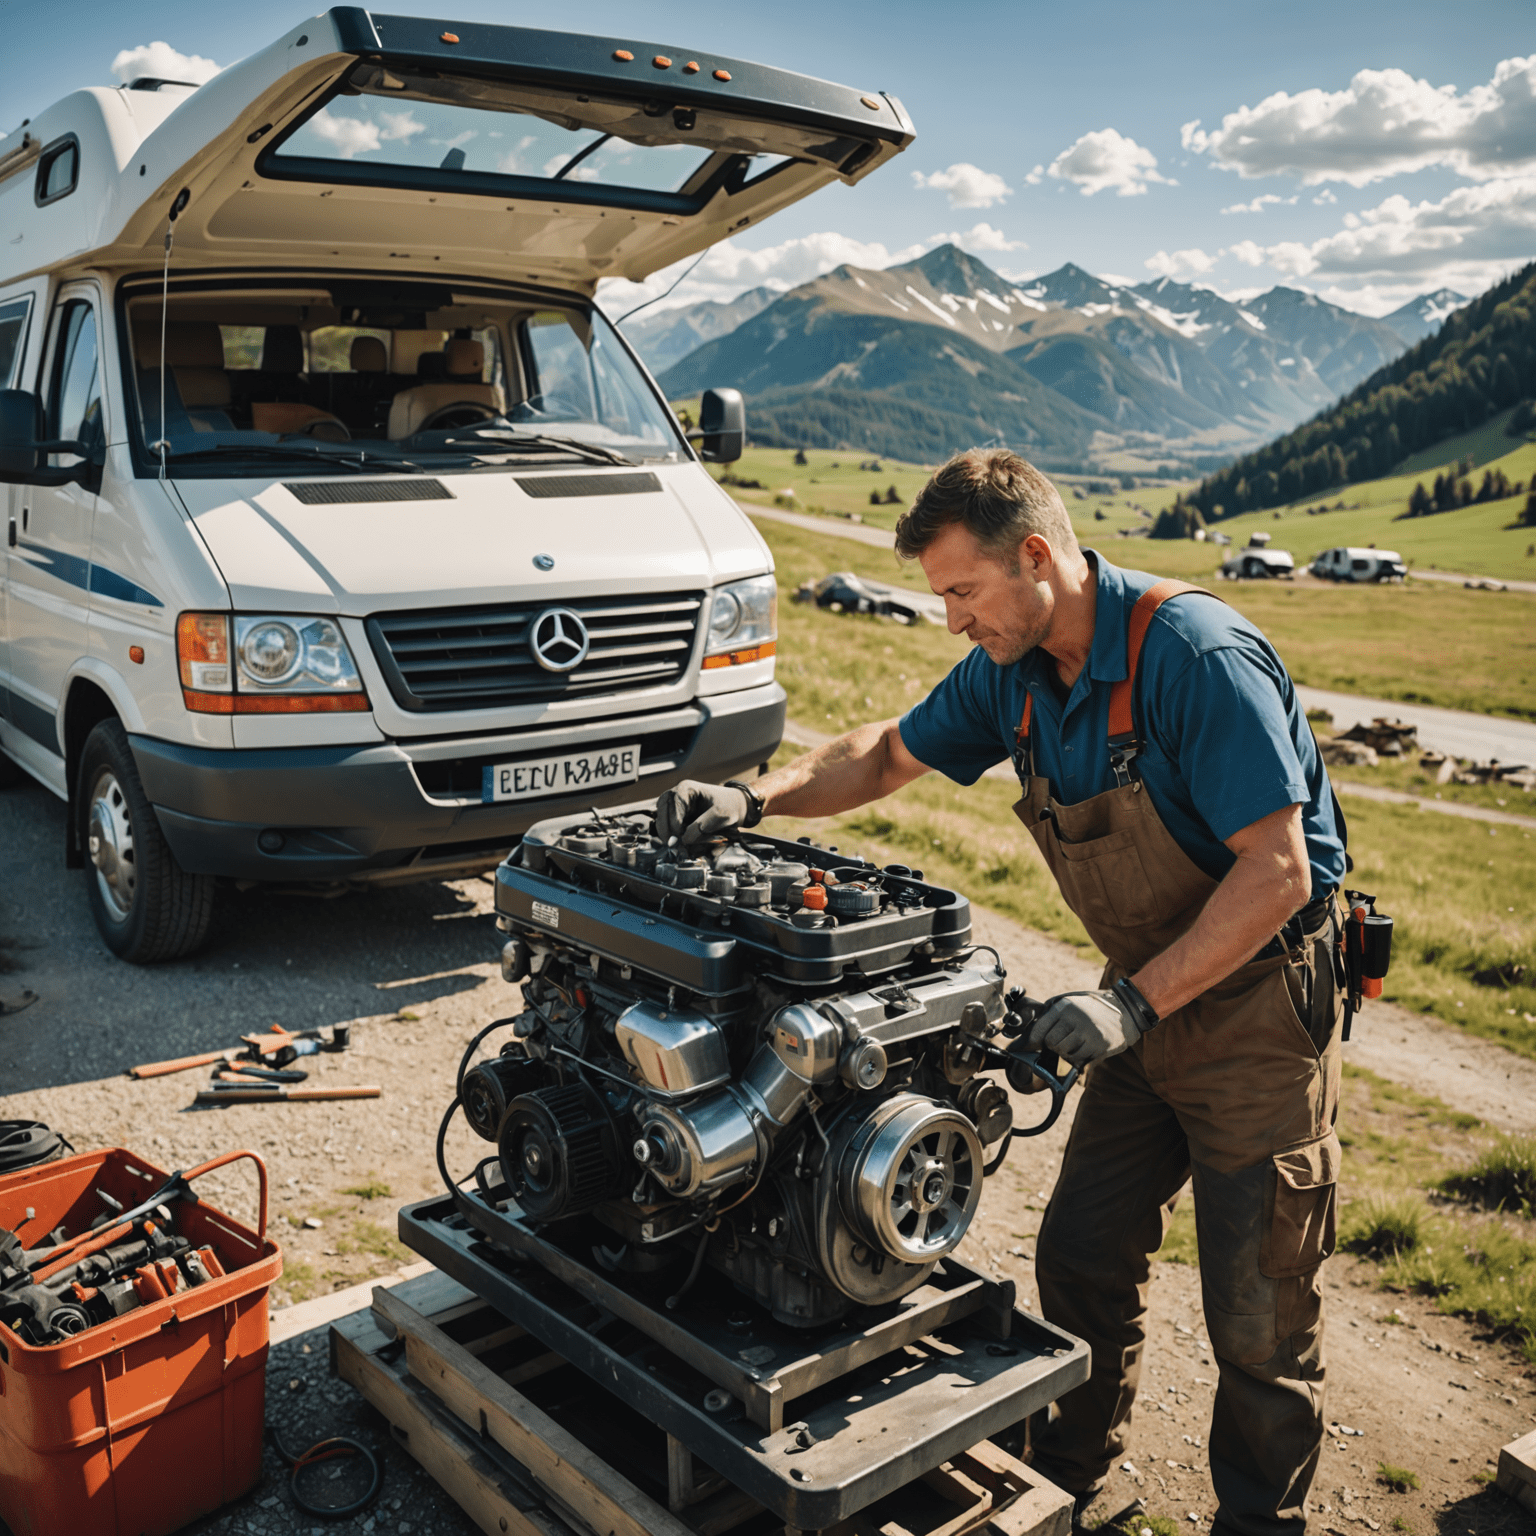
[74,394]
[58,171]
[13,332]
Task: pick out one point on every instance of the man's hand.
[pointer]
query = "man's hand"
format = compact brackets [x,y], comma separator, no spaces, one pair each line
[1084,1027]
[694,811]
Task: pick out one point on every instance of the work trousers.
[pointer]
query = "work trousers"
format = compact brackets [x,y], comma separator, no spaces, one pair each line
[1237,1092]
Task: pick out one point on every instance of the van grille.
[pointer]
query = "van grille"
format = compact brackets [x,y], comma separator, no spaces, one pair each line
[479,658]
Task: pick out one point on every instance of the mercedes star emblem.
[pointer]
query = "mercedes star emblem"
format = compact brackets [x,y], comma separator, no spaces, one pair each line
[544,562]
[559,640]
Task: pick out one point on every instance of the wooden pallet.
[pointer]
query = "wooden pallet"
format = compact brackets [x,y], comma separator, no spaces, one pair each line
[456,1381]
[1517,1470]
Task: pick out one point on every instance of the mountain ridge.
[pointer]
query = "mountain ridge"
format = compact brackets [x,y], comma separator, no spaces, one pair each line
[1159,371]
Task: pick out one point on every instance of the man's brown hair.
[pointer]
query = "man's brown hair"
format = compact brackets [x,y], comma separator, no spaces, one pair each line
[998,496]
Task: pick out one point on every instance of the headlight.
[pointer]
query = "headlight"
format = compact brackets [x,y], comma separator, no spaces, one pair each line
[743,622]
[282,664]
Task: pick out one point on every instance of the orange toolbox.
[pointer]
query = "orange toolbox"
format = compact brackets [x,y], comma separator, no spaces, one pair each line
[141,1423]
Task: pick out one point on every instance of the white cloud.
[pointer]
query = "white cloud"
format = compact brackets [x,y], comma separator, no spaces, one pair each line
[968,186]
[1383,124]
[350,135]
[1105,160]
[1385,255]
[1261,202]
[1189,263]
[980,237]
[1035,176]
[159,61]
[1323,198]
[399,127]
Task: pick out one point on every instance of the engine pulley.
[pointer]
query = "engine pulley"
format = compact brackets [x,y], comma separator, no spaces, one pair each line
[489,1087]
[559,1152]
[910,1179]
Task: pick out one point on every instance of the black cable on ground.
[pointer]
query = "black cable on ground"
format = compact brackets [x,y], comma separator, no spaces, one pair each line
[442,1142]
[325,1450]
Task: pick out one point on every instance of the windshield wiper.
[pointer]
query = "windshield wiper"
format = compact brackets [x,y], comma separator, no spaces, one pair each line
[506,439]
[360,462]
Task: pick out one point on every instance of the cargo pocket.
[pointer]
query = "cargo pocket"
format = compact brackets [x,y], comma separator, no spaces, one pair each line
[1105,876]
[1301,1229]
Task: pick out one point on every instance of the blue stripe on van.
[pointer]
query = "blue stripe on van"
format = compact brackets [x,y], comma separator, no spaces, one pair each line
[75,572]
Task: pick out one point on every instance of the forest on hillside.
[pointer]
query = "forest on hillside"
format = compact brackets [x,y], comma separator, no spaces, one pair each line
[1480,362]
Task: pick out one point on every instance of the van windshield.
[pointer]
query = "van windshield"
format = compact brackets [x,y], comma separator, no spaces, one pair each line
[405,375]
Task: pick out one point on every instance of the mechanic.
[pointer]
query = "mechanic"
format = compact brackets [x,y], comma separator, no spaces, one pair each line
[1173,785]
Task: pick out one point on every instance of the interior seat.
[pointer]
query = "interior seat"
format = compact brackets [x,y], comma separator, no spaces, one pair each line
[194,351]
[462,384]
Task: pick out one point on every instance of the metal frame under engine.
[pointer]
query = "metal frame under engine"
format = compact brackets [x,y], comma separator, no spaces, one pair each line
[875,1405]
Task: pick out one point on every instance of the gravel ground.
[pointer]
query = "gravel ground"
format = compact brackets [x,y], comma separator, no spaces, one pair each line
[413,971]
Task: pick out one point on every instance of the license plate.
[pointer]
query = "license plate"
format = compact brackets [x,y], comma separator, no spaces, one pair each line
[568,774]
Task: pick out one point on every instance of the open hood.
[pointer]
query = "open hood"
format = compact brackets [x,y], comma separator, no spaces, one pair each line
[392,141]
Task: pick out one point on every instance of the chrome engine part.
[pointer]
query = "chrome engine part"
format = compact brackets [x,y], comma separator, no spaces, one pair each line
[759,1054]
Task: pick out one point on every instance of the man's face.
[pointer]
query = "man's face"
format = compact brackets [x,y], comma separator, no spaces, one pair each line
[1007,615]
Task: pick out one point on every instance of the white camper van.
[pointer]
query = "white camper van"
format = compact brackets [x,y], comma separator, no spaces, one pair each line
[345,536]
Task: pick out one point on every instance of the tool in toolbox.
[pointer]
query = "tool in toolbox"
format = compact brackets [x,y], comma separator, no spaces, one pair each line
[288,1045]
[1364,954]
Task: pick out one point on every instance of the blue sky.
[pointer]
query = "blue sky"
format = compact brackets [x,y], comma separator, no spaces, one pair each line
[1051,133]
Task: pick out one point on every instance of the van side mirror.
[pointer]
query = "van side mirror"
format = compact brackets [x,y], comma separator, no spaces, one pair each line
[23,448]
[722,432]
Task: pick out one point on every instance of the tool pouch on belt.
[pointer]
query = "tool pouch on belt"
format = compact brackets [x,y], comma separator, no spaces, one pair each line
[1364,954]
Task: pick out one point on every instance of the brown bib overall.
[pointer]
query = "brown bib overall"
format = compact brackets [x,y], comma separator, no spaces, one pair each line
[1237,1090]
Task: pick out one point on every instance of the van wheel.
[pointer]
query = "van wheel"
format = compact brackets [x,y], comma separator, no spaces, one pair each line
[146,906]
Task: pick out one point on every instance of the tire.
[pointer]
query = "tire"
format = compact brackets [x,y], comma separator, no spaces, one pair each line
[146,906]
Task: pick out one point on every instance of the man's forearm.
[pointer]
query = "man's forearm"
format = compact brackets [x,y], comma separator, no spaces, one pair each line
[866,764]
[1268,884]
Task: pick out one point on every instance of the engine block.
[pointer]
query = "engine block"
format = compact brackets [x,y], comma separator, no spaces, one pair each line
[758,1053]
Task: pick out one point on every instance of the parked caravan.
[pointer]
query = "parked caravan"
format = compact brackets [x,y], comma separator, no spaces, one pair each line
[1360,565]
[346,537]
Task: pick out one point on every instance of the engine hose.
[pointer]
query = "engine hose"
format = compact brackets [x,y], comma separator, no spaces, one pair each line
[442,1142]
[693,1273]
[325,1450]
[988,1169]
[469,1050]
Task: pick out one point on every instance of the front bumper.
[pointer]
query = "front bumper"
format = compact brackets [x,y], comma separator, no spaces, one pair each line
[396,812]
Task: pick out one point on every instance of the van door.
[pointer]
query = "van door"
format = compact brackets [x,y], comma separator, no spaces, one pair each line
[50,565]
[13,340]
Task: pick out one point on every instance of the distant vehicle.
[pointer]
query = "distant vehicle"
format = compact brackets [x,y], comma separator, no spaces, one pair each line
[1258,562]
[1359,565]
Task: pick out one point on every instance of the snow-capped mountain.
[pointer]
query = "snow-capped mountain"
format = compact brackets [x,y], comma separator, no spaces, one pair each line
[1424,315]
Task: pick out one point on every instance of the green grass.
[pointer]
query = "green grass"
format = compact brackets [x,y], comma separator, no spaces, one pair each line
[1463,896]
[1145,1525]
[1503,1178]
[1181,1245]
[373,1190]
[1384,1228]
[1484,445]
[1398,1479]
[372,1238]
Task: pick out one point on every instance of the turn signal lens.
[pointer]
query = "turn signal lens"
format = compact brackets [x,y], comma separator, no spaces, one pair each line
[741,657]
[202,651]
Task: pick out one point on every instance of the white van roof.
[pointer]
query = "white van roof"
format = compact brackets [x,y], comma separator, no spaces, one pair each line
[253,201]
[1356,553]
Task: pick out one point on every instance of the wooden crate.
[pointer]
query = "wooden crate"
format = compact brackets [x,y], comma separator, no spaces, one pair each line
[1517,1470]
[445,1370]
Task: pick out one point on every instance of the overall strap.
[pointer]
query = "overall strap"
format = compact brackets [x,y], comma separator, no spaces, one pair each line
[1124,744]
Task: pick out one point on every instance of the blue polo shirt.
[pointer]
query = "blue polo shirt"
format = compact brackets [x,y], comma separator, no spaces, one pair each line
[1225,740]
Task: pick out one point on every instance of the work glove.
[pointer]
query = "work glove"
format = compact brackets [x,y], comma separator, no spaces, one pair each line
[1084,1027]
[693,812]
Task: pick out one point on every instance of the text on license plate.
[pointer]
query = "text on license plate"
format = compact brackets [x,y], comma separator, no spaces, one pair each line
[567,774]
